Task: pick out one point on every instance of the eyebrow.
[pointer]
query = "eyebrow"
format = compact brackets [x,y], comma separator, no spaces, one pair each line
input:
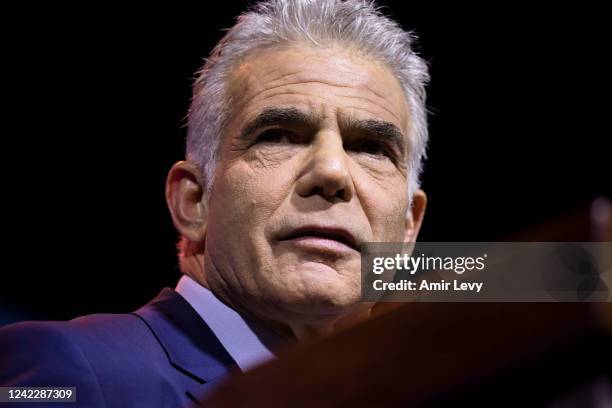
[374,128]
[279,115]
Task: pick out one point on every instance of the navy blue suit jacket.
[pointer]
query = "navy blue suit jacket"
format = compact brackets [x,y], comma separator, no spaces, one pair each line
[163,354]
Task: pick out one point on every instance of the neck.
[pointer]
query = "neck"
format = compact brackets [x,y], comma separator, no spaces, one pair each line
[312,331]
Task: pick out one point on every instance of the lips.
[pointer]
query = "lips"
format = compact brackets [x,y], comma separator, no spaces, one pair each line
[336,234]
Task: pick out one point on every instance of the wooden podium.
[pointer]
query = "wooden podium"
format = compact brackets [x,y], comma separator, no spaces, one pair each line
[441,354]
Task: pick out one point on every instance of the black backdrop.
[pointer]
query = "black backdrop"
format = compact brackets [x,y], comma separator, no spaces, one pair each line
[95,101]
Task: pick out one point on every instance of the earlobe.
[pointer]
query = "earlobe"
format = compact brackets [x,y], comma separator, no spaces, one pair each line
[186,201]
[414,218]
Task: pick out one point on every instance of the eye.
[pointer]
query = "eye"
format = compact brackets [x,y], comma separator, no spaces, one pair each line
[275,136]
[373,147]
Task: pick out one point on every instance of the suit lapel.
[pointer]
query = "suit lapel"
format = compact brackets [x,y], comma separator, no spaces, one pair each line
[189,343]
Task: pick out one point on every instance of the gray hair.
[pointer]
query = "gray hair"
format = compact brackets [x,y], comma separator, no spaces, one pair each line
[357,23]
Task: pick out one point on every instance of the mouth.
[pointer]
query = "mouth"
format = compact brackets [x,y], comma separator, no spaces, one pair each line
[323,236]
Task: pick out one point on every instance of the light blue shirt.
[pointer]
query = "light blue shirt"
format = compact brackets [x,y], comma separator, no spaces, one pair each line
[247,342]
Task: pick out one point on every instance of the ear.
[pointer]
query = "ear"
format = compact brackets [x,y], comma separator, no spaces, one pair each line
[187,201]
[414,217]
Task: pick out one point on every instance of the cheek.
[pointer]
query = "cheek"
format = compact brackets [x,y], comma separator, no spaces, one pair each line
[385,203]
[388,223]
[251,193]
[242,201]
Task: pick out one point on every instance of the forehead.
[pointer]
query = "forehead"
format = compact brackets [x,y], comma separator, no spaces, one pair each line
[329,81]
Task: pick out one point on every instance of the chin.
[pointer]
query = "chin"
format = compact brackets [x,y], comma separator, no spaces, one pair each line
[316,288]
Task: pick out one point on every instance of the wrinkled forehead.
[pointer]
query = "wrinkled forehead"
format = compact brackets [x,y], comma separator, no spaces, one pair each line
[331,76]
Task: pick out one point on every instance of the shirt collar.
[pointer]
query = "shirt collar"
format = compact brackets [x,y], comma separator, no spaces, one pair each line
[247,342]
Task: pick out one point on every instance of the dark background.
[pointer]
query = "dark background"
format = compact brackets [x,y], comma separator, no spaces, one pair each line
[95,104]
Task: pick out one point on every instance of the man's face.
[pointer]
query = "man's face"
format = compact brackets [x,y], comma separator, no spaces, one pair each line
[312,163]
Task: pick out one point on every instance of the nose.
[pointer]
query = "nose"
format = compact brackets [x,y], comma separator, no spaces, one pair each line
[326,172]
